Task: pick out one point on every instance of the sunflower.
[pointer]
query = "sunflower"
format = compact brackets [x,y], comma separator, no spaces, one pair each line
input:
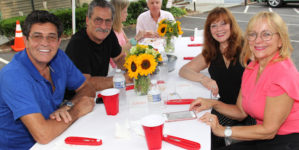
[179,28]
[170,30]
[132,67]
[146,64]
[160,58]
[142,46]
[162,21]
[162,29]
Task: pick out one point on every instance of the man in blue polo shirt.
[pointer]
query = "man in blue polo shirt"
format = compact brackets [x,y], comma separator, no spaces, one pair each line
[33,84]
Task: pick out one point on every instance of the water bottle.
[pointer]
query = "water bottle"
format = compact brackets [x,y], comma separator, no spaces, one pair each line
[154,95]
[119,82]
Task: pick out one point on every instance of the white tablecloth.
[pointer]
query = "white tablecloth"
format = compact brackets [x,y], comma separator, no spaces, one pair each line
[98,125]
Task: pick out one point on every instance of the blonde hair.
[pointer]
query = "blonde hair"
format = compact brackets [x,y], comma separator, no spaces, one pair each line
[119,5]
[275,22]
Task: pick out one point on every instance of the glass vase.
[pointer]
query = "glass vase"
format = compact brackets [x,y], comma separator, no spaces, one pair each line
[142,85]
[169,44]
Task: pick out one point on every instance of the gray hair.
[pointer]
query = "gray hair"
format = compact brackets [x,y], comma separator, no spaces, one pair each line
[99,3]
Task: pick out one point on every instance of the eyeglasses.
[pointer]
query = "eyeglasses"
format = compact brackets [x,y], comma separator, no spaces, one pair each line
[265,35]
[99,21]
[217,25]
[49,38]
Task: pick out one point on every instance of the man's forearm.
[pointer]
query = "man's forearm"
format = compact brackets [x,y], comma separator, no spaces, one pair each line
[87,90]
[120,61]
[101,83]
[44,131]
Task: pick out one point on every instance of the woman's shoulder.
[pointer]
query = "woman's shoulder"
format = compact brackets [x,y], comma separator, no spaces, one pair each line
[282,72]
[285,66]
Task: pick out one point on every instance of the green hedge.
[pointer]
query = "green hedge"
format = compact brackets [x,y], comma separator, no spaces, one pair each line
[8,26]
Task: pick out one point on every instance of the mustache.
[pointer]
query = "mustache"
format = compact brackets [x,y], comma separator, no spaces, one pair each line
[102,30]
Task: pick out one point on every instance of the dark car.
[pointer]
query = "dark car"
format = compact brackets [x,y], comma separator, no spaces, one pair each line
[278,3]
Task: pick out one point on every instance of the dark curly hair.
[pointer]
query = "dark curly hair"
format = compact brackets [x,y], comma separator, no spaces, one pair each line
[41,16]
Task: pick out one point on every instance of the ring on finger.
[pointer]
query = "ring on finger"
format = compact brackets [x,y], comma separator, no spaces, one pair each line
[210,119]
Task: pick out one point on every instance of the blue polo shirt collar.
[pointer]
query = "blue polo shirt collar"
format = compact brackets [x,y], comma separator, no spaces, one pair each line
[26,62]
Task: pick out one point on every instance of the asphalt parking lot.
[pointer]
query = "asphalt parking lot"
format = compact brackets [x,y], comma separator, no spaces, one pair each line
[290,14]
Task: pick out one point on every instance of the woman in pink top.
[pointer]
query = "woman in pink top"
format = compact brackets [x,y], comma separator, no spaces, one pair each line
[120,16]
[269,91]
[121,7]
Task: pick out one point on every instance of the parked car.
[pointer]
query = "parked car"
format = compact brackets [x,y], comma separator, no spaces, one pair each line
[278,3]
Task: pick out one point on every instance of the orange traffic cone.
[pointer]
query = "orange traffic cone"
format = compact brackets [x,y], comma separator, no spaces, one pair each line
[19,42]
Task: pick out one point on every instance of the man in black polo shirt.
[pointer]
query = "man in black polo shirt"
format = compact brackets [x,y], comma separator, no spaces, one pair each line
[91,48]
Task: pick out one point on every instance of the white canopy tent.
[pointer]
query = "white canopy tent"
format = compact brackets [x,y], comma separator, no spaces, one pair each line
[74,16]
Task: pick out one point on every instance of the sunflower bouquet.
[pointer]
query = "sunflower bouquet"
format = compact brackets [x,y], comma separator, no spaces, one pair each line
[169,29]
[142,61]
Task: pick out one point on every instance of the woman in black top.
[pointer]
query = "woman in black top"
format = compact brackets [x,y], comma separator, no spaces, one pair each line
[222,47]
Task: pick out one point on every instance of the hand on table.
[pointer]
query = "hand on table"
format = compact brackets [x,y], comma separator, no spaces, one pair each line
[213,122]
[201,104]
[150,34]
[61,114]
[211,85]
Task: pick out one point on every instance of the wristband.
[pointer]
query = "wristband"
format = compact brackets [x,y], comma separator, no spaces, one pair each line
[133,42]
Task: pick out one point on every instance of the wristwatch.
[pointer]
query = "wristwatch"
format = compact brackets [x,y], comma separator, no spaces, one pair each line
[228,131]
[69,104]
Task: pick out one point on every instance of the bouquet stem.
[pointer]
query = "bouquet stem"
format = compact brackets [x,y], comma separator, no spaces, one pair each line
[169,45]
[142,85]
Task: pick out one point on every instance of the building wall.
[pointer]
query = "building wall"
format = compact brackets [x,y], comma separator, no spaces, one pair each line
[81,2]
[13,8]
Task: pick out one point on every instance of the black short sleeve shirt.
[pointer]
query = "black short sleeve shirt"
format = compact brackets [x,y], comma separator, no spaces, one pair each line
[90,57]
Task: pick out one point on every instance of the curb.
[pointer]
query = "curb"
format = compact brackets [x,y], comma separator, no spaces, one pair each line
[5,50]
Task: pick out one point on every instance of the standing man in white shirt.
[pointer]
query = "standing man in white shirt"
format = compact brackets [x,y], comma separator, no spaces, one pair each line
[147,22]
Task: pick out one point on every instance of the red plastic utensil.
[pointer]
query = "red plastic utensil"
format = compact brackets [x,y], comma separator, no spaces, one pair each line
[130,87]
[194,45]
[188,58]
[179,101]
[74,140]
[184,143]
[161,82]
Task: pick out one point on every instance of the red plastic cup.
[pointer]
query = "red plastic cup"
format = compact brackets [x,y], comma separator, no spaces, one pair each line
[111,100]
[153,131]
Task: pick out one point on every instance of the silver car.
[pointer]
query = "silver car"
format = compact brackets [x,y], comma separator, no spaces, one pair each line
[278,3]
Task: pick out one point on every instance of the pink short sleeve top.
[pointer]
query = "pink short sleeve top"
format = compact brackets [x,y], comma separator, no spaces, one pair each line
[277,78]
[121,37]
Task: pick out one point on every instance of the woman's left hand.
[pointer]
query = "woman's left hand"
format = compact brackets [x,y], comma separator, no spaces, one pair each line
[212,121]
